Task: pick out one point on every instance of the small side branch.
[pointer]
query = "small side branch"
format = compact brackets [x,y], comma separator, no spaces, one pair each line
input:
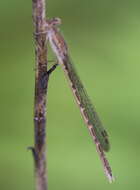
[52,69]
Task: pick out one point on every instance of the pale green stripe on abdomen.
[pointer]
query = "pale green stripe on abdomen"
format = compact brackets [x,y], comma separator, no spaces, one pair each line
[86,107]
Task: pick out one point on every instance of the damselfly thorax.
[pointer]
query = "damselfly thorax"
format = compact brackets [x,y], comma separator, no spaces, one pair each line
[56,40]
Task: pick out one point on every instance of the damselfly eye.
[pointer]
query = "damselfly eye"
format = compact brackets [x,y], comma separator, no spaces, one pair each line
[56,21]
[53,22]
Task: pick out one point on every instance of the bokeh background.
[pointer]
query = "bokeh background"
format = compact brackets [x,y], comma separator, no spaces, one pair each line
[104,41]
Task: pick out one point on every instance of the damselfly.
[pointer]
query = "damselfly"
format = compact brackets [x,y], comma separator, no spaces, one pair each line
[97,131]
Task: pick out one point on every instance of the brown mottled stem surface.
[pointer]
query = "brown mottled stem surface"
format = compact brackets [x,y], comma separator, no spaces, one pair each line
[41,83]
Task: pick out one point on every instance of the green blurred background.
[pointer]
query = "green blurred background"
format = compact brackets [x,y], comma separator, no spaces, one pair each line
[104,40]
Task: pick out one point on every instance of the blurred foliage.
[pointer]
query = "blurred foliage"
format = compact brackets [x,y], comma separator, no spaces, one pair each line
[103,38]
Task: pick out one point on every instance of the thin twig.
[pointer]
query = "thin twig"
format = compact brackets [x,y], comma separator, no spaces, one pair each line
[41,84]
[52,68]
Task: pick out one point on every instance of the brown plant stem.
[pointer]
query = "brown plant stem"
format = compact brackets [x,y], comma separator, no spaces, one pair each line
[41,84]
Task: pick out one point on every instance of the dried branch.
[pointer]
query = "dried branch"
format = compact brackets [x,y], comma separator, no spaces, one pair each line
[41,84]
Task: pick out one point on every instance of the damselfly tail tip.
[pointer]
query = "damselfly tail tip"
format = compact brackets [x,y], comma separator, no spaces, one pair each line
[110,177]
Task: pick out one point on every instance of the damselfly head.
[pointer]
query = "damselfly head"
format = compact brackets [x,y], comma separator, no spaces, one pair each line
[53,21]
[56,21]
